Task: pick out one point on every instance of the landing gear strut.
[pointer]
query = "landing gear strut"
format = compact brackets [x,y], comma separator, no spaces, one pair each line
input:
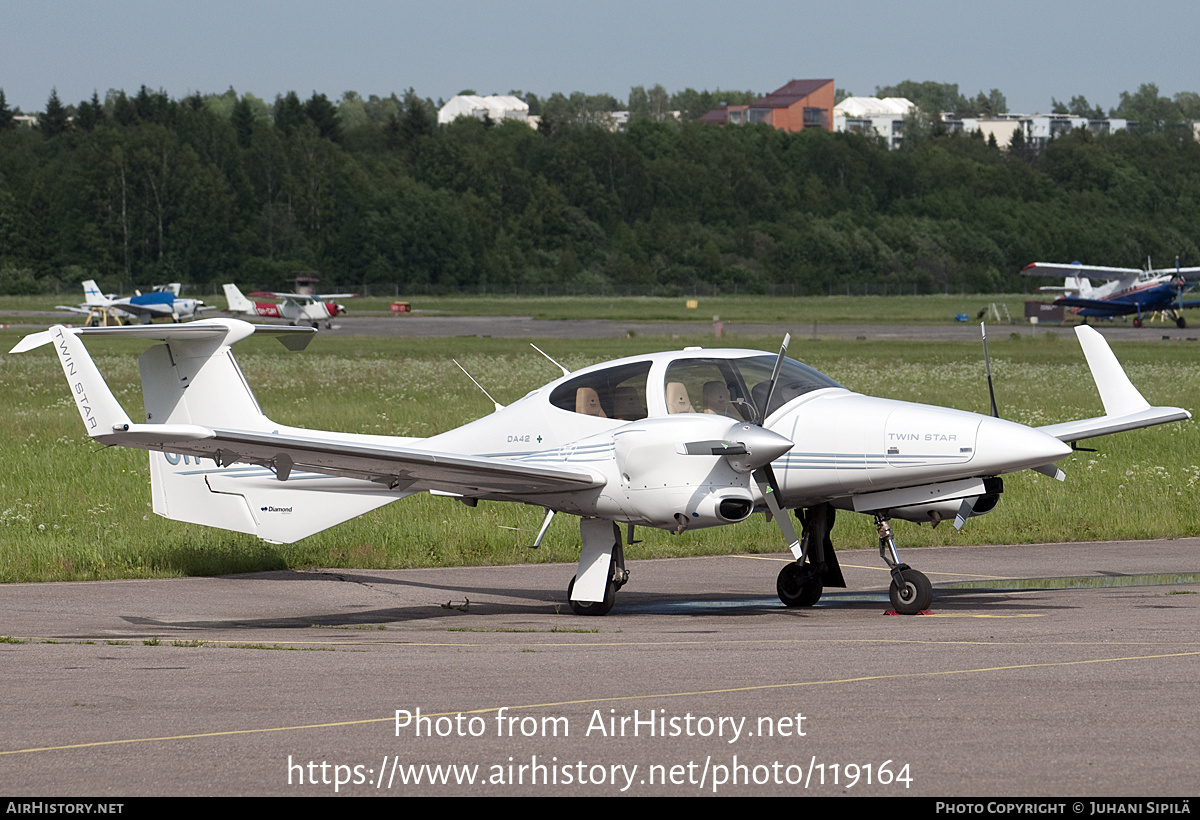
[910,591]
[801,582]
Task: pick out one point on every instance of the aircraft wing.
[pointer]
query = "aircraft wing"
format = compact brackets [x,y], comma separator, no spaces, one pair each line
[287,450]
[142,312]
[1101,272]
[1116,308]
[83,310]
[1084,271]
[1124,407]
[397,468]
[319,297]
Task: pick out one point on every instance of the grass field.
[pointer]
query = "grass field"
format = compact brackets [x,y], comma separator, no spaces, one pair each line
[70,510]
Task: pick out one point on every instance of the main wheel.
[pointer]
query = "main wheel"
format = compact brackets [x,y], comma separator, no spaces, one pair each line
[797,586]
[593,607]
[916,594]
[1180,322]
[1137,322]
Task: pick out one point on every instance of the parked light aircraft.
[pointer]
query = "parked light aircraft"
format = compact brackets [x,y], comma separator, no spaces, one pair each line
[678,440]
[1123,290]
[294,307]
[162,302]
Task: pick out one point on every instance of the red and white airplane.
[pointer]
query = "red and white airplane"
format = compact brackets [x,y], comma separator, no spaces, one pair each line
[295,308]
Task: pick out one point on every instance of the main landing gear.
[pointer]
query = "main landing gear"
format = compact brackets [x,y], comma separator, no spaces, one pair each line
[599,549]
[802,582]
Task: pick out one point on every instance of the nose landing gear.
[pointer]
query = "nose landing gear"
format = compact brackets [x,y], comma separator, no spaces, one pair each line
[910,591]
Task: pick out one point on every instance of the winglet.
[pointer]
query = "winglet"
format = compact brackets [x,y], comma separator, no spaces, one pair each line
[1117,393]
[102,414]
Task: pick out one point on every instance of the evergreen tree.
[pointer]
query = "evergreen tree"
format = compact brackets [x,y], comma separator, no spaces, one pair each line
[324,115]
[242,120]
[55,121]
[90,114]
[6,114]
[289,112]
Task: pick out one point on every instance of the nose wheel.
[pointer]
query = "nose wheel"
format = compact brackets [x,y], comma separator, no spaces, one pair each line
[911,592]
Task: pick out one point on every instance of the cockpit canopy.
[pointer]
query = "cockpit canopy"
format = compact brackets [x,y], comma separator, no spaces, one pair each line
[733,386]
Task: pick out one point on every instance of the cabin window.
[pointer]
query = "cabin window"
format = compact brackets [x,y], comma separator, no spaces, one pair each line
[737,388]
[613,393]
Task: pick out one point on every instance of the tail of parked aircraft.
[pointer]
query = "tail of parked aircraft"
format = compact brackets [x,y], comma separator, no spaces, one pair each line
[92,294]
[1078,286]
[237,302]
[191,386]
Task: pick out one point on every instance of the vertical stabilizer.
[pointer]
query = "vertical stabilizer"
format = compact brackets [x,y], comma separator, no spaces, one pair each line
[102,414]
[237,302]
[1117,393]
[92,294]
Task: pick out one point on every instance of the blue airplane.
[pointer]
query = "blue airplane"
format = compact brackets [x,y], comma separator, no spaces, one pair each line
[162,302]
[1123,291]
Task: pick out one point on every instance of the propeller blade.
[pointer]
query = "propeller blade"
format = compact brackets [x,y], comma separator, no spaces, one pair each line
[765,478]
[1052,470]
[787,337]
[1180,286]
[964,511]
[988,364]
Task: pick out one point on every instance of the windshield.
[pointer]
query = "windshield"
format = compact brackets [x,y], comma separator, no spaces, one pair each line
[737,388]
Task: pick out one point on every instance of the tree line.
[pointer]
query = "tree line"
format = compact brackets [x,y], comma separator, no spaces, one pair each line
[144,189]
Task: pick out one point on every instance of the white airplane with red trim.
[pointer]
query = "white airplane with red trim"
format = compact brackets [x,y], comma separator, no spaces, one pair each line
[680,440]
[295,308]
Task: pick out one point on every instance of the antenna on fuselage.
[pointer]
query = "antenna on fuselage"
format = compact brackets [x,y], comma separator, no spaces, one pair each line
[498,405]
[565,372]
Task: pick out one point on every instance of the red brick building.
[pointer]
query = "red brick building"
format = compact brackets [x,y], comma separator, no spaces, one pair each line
[798,105]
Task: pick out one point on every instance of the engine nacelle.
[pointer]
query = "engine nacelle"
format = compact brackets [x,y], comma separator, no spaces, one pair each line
[930,503]
[662,485]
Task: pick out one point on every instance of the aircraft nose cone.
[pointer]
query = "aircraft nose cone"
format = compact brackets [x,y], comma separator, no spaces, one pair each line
[1006,446]
[762,445]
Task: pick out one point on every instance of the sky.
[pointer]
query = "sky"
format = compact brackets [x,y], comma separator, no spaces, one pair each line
[1031,51]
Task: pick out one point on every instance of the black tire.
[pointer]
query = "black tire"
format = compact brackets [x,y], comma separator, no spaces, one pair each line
[1181,323]
[1137,322]
[916,595]
[796,586]
[593,607]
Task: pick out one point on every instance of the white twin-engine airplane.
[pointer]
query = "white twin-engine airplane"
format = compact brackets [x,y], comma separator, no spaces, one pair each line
[678,440]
